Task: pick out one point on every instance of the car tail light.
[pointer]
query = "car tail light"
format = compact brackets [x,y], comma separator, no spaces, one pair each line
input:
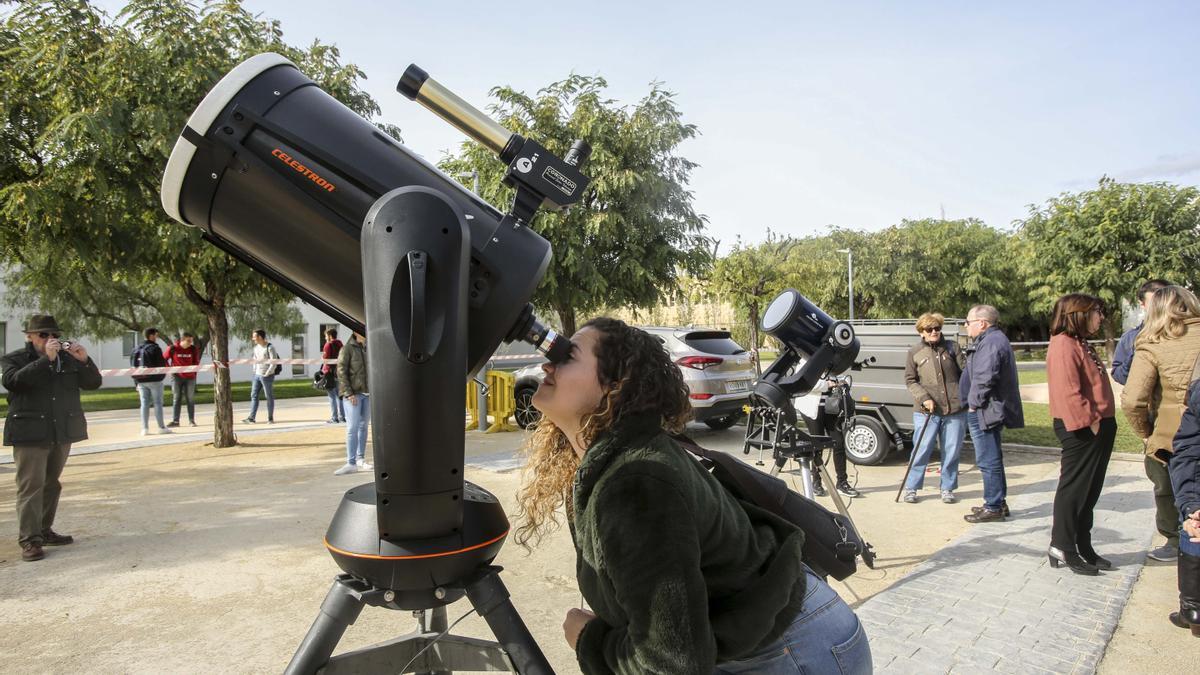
[700,397]
[699,362]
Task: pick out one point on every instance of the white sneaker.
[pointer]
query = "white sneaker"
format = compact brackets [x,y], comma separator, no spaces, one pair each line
[364,465]
[348,468]
[164,430]
[145,432]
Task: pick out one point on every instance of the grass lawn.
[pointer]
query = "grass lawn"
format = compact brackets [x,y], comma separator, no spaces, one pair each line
[1031,376]
[127,398]
[1038,431]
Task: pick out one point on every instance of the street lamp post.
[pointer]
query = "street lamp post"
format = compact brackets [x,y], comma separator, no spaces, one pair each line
[849,276]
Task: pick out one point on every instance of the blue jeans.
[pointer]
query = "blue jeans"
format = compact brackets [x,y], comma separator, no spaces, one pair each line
[826,637]
[267,383]
[182,388]
[358,416]
[151,392]
[337,411]
[950,429]
[990,460]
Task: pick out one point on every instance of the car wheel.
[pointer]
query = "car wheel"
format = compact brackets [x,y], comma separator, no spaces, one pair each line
[722,423]
[866,441]
[526,414]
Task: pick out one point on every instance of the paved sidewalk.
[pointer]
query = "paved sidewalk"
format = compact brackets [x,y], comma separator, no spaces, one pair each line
[989,601]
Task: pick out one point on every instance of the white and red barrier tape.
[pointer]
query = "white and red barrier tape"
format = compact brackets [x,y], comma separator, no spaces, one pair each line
[170,370]
[165,370]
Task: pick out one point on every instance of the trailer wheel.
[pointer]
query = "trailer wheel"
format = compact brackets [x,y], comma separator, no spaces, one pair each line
[866,441]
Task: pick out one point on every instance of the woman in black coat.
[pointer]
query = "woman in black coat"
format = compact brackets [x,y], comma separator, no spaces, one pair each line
[1185,480]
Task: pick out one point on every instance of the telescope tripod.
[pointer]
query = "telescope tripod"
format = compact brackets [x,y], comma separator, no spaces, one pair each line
[427,649]
[774,429]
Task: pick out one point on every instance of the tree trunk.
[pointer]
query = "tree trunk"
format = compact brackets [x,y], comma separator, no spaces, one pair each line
[755,340]
[567,317]
[218,328]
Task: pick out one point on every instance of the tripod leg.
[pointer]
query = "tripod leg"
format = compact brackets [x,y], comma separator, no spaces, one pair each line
[340,609]
[489,597]
[806,478]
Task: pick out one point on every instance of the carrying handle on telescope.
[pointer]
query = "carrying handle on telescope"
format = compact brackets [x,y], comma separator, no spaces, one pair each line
[416,327]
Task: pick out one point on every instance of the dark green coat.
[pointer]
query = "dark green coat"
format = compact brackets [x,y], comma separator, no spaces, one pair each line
[43,397]
[681,575]
[352,369]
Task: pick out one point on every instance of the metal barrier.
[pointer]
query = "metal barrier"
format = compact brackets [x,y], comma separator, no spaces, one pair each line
[501,402]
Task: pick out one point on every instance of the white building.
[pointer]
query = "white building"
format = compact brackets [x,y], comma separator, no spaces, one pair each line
[112,354]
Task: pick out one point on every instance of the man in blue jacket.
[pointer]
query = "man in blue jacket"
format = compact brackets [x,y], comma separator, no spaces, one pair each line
[1123,355]
[1155,470]
[989,386]
[1185,479]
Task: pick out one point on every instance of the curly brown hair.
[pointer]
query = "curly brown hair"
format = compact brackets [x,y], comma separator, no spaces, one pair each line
[638,378]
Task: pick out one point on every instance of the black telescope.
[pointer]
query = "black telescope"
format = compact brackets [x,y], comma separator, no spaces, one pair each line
[286,179]
[814,345]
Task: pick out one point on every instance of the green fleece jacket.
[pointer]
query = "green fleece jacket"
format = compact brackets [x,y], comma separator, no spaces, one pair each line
[681,575]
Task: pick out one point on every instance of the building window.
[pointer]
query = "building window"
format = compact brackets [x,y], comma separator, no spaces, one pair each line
[298,353]
[129,341]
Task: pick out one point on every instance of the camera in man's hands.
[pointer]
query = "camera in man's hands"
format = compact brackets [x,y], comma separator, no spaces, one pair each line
[65,345]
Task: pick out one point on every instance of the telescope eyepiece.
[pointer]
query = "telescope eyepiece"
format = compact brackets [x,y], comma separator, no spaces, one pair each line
[579,154]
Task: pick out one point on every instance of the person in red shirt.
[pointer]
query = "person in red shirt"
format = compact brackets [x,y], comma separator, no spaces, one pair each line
[183,385]
[331,349]
[1084,412]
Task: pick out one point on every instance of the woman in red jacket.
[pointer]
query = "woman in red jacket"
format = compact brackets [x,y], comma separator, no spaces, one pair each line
[331,349]
[1084,412]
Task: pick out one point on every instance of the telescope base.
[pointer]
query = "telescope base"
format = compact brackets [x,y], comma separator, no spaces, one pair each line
[420,572]
[421,651]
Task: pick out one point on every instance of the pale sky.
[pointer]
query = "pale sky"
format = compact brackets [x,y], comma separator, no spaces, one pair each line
[816,113]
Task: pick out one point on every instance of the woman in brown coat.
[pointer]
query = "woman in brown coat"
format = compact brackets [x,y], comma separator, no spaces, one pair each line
[1155,394]
[1084,412]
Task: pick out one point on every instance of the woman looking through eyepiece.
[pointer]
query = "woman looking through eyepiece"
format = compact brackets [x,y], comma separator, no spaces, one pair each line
[681,577]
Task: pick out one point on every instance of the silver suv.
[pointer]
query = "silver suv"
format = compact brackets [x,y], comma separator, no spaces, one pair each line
[718,372]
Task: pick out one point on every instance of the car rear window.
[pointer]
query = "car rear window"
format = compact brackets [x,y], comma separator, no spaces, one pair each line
[712,342]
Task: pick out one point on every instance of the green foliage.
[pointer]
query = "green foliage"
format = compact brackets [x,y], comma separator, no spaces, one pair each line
[635,230]
[749,277]
[936,265]
[92,107]
[1109,240]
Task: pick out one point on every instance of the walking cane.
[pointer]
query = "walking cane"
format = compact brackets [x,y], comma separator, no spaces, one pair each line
[912,456]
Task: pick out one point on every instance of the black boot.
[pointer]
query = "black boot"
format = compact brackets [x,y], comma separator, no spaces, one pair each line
[1071,559]
[1090,556]
[1188,615]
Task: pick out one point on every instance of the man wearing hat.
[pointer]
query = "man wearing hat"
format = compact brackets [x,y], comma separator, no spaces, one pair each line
[44,418]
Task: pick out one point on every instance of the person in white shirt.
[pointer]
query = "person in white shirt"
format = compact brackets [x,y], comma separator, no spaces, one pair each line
[264,376]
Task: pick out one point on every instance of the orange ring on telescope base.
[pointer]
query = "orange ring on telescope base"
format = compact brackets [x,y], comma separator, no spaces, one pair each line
[333,548]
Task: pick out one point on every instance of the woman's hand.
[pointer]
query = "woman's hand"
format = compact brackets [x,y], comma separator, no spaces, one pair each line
[352,399]
[574,623]
[928,405]
[1192,527]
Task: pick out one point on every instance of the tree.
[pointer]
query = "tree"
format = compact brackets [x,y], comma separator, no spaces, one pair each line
[750,277]
[94,107]
[934,265]
[635,229]
[1109,240]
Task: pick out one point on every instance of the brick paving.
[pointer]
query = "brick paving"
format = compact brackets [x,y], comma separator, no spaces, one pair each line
[989,601]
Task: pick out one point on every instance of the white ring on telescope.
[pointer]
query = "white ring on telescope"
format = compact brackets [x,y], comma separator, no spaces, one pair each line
[202,119]
[780,310]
